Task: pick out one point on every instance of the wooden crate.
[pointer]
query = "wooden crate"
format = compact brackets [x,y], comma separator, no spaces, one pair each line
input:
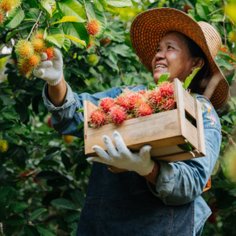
[164,131]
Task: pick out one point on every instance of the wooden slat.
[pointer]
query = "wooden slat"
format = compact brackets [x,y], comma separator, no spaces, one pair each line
[180,105]
[200,128]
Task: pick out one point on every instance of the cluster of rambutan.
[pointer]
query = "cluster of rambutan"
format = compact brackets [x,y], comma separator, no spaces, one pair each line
[28,53]
[6,6]
[133,104]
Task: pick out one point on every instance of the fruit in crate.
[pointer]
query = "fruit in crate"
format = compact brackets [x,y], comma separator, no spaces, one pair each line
[132,104]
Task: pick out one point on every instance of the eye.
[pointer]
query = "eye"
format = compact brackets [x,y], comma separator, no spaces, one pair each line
[169,47]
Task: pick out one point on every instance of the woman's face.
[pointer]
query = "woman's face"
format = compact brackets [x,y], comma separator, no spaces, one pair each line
[173,56]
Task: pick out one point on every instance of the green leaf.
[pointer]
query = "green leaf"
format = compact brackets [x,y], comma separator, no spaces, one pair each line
[77,40]
[67,19]
[18,207]
[77,30]
[44,232]
[63,203]
[122,50]
[57,39]
[189,79]
[16,19]
[120,3]
[35,214]
[73,8]
[48,5]
[164,77]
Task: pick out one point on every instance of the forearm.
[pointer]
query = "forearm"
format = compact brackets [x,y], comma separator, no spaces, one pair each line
[57,93]
[152,177]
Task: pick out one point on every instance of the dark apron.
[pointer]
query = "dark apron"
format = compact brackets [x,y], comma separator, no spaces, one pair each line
[122,205]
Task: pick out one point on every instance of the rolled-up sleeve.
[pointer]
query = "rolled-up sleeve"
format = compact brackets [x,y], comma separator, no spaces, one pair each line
[181,182]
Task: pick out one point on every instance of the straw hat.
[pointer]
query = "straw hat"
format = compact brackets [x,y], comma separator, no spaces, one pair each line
[150,26]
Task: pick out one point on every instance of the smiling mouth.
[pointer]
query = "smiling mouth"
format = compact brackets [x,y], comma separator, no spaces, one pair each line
[159,66]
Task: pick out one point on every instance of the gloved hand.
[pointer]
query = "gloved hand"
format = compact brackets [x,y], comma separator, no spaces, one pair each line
[50,70]
[121,157]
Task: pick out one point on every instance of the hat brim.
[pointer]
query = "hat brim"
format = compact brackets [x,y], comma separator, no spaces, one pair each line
[150,26]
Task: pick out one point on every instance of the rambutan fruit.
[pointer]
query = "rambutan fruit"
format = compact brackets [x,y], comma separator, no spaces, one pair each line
[3,145]
[38,44]
[117,115]
[154,97]
[34,60]
[24,67]
[106,104]
[68,138]
[24,49]
[93,59]
[166,89]
[143,109]
[128,99]
[167,104]
[38,34]
[8,5]
[105,41]
[93,27]
[97,118]
[2,16]
[50,53]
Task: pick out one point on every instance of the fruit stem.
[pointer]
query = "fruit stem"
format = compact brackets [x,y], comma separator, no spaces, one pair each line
[35,25]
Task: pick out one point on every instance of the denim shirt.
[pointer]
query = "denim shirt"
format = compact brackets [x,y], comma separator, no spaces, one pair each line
[124,203]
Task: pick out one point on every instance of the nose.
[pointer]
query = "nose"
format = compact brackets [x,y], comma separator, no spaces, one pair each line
[160,54]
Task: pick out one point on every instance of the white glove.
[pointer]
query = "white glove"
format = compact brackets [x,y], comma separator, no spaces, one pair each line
[121,157]
[50,70]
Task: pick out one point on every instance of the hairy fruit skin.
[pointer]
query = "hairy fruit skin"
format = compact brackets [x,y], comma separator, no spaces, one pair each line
[24,67]
[143,109]
[24,49]
[106,104]
[38,44]
[93,27]
[117,115]
[50,53]
[97,118]
[2,16]
[8,5]
[34,60]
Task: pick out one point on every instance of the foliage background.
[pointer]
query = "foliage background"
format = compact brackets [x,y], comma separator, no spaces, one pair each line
[43,176]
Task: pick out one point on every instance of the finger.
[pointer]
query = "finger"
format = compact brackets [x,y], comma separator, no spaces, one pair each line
[44,56]
[120,144]
[45,64]
[145,151]
[101,153]
[96,159]
[39,72]
[57,55]
[110,147]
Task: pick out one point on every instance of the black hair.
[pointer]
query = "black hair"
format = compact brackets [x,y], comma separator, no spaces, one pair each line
[201,79]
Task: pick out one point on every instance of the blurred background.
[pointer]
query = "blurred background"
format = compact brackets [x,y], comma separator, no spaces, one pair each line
[44,176]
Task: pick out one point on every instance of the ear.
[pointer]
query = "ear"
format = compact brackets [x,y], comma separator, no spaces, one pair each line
[198,62]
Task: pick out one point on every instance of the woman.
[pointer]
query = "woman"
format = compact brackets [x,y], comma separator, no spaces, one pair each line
[151,198]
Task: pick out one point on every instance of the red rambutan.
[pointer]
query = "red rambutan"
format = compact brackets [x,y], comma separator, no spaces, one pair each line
[143,109]
[93,27]
[106,104]
[117,115]
[97,118]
